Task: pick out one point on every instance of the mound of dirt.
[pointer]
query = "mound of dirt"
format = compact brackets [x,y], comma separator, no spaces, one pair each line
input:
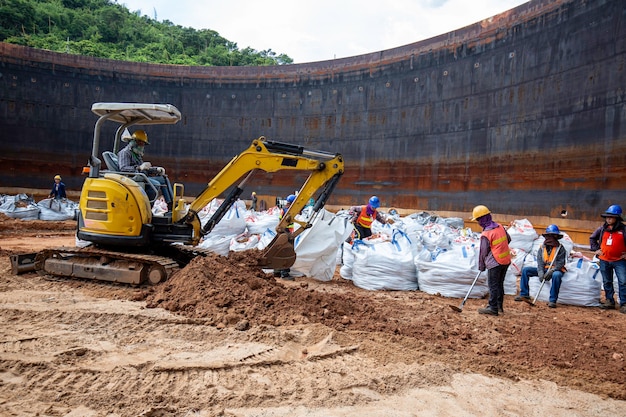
[573,346]
[234,291]
[9,225]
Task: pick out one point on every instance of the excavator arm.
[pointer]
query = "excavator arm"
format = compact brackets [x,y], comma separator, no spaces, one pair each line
[324,169]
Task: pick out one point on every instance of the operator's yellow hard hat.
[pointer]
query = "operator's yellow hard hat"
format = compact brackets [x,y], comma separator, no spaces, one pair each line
[479,211]
[141,136]
[57,177]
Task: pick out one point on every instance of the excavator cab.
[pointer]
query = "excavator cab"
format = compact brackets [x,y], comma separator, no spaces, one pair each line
[114,207]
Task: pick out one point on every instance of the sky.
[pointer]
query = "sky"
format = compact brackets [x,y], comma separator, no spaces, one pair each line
[309,31]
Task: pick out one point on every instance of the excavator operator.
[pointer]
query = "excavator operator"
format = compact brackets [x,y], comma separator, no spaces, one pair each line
[130,159]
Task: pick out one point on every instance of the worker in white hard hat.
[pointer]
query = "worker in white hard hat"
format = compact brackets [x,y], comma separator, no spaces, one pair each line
[58,189]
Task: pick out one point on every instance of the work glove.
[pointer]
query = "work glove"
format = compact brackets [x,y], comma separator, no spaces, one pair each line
[548,275]
[160,170]
[145,166]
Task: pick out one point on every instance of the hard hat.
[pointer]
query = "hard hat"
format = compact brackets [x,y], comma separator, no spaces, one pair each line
[613,211]
[374,202]
[480,211]
[553,229]
[141,136]
[291,198]
[253,193]
[57,177]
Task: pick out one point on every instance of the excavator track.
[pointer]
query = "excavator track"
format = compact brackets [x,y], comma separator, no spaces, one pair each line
[105,265]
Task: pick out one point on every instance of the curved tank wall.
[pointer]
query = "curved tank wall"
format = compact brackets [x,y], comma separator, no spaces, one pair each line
[524,112]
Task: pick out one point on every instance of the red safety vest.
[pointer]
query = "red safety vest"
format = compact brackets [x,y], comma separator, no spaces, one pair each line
[365,220]
[612,252]
[547,258]
[499,244]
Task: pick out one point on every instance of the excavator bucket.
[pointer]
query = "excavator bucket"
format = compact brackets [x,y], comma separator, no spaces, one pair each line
[279,254]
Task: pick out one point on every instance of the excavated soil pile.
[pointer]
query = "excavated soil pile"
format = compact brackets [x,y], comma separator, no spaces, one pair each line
[574,346]
[10,226]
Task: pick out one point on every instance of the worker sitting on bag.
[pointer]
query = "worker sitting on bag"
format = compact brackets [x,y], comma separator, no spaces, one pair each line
[551,258]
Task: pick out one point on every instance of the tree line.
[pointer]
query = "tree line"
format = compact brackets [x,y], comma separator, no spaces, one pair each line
[106,29]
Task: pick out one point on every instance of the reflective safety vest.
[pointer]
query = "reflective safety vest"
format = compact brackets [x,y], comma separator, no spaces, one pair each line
[364,220]
[499,244]
[281,213]
[548,258]
[613,244]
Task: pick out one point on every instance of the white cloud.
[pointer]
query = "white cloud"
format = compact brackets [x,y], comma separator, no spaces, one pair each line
[324,29]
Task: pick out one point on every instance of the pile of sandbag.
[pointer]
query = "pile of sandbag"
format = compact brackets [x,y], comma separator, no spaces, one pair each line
[445,260]
[24,207]
[20,206]
[241,229]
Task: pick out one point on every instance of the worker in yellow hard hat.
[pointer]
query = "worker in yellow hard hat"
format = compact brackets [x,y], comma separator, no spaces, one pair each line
[58,189]
[130,159]
[494,256]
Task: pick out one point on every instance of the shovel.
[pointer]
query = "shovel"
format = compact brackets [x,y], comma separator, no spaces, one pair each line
[543,281]
[460,307]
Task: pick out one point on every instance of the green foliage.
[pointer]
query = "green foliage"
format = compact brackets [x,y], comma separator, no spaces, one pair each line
[106,29]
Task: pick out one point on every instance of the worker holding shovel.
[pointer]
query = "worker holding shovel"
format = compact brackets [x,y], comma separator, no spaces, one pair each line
[551,257]
[494,256]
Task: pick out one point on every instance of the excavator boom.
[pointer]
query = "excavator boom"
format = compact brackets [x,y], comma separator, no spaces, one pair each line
[324,169]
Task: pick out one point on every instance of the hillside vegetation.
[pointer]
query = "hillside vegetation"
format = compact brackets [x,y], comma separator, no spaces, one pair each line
[106,29]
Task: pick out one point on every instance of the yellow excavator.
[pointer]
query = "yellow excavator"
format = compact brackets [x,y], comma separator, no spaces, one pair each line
[129,244]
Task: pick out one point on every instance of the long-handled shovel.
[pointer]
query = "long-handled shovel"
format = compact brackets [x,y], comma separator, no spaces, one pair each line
[460,307]
[543,281]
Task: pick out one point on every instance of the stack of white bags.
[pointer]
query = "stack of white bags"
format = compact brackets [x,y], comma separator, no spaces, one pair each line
[417,252]
[241,229]
[446,261]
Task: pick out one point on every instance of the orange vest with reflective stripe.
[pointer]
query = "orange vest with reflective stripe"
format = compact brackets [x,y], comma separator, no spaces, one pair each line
[547,258]
[365,220]
[499,244]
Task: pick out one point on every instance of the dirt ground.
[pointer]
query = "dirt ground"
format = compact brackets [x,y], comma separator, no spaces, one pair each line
[222,338]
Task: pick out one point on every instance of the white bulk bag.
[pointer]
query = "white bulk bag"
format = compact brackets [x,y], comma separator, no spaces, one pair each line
[233,222]
[316,247]
[580,285]
[56,210]
[258,222]
[219,244]
[243,242]
[522,235]
[451,272]
[514,270]
[20,207]
[385,264]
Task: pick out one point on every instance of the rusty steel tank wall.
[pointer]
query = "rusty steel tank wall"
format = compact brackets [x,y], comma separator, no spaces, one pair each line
[523,112]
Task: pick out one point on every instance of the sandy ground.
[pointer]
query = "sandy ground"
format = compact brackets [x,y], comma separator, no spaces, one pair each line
[221,338]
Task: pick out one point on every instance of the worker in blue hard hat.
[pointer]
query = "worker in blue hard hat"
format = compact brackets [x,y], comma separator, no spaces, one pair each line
[362,218]
[609,243]
[551,257]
